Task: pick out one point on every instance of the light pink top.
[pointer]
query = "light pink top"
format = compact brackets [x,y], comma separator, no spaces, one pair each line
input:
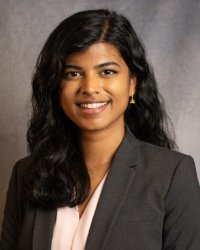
[70,231]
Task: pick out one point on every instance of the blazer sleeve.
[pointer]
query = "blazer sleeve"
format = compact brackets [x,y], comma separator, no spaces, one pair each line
[12,214]
[181,229]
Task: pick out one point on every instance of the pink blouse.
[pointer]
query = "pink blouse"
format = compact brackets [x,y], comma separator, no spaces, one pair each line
[70,231]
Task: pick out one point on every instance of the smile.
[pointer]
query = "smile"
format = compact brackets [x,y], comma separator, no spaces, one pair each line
[93,105]
[92,109]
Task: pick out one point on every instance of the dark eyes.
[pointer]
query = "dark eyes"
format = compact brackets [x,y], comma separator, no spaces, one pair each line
[77,74]
[109,72]
[72,74]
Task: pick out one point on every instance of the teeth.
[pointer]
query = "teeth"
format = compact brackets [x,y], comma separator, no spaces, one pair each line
[93,105]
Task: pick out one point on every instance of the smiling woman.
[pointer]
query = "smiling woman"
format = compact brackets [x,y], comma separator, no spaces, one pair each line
[96,87]
[101,173]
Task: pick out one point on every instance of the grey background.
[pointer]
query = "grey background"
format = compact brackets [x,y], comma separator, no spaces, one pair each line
[170,30]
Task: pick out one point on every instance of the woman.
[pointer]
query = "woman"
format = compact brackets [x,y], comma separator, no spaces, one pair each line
[100,174]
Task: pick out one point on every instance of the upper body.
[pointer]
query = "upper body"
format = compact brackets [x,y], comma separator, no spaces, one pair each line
[93,95]
[150,200]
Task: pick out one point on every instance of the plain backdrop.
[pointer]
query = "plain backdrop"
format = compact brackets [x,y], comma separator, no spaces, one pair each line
[170,30]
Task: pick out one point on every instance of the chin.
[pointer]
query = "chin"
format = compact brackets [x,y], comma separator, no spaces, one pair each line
[92,127]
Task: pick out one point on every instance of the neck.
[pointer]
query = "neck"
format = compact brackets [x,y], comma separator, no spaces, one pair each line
[99,147]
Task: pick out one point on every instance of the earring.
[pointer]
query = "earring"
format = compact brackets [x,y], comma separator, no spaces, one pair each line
[132,101]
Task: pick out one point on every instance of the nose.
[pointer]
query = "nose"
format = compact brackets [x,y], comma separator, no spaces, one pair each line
[90,85]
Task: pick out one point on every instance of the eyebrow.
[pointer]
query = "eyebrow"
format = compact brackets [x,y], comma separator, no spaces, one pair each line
[96,67]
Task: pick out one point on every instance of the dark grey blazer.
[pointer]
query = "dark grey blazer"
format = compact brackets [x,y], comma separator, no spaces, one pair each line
[150,201]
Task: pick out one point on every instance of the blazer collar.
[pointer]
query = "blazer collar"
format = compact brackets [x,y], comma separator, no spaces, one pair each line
[117,184]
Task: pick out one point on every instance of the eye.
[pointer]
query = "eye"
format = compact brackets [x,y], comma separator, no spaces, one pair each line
[72,75]
[109,72]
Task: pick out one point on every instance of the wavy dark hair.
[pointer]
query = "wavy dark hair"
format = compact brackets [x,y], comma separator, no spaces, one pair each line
[58,175]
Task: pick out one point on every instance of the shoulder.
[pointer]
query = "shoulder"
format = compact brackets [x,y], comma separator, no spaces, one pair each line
[23,162]
[170,179]
[166,163]
[162,155]
[19,170]
[162,166]
[156,154]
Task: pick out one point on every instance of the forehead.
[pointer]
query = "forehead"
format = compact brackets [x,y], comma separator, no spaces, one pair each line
[96,54]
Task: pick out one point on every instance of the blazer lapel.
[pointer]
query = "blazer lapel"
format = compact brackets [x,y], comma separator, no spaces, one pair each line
[43,229]
[117,184]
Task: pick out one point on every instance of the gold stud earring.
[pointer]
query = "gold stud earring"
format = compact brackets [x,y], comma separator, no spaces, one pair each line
[132,101]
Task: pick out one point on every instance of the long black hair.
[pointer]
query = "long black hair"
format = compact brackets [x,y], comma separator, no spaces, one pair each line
[58,175]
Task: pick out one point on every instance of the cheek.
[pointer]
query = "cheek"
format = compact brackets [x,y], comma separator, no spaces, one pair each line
[64,98]
[65,103]
[120,89]
[66,94]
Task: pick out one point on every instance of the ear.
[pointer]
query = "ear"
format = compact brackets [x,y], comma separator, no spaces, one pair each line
[132,86]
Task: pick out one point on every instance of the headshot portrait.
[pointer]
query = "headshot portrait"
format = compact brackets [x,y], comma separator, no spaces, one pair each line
[100,126]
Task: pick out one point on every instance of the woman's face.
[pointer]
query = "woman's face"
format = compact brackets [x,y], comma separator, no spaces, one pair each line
[95,88]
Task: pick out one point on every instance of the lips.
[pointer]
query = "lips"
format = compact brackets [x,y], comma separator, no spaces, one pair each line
[92,105]
[93,108]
